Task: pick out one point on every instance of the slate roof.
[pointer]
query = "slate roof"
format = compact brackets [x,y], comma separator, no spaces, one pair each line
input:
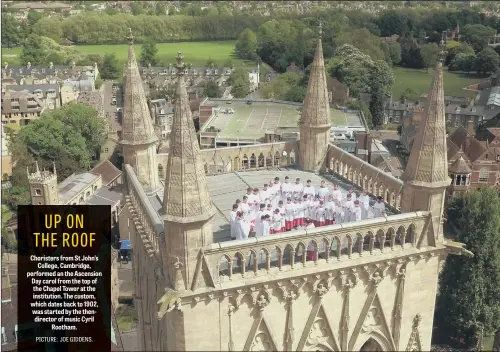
[28,103]
[105,196]
[460,166]
[472,148]
[108,172]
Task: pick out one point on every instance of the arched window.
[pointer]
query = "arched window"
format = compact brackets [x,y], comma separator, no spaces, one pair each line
[483,175]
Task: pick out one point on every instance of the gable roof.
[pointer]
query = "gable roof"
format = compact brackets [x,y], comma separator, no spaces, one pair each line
[472,148]
[107,171]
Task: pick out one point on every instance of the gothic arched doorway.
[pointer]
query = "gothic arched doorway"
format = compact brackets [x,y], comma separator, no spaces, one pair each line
[371,345]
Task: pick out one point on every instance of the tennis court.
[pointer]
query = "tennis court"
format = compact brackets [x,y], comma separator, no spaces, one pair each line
[252,120]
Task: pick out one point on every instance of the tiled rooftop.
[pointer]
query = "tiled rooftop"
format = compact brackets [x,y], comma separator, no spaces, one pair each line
[105,196]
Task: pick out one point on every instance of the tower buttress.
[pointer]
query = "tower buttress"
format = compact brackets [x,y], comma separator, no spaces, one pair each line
[187,203]
[426,175]
[43,186]
[138,138]
[315,121]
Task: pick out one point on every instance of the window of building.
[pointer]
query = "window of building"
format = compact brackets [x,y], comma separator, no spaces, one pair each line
[39,203]
[38,191]
[483,175]
[4,338]
[105,150]
[457,122]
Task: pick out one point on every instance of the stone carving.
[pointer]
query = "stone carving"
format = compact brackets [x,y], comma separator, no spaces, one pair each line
[169,301]
[262,340]
[262,298]
[321,288]
[372,320]
[230,312]
[414,343]
[376,279]
[321,333]
[398,305]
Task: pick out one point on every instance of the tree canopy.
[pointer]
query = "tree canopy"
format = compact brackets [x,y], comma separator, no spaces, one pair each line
[246,46]
[469,293]
[71,137]
[148,53]
[240,82]
[110,68]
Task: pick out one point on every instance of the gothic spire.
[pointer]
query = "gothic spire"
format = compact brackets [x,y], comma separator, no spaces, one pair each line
[186,196]
[428,162]
[316,109]
[137,124]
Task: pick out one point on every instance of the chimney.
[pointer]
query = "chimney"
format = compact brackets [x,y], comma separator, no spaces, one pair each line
[471,127]
[51,65]
[6,65]
[28,65]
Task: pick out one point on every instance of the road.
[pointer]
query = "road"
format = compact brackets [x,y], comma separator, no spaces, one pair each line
[108,95]
[125,278]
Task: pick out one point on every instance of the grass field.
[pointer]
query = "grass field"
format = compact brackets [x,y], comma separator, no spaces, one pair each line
[195,53]
[420,82]
[252,121]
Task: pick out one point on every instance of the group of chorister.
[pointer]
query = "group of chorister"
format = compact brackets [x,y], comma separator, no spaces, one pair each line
[281,207]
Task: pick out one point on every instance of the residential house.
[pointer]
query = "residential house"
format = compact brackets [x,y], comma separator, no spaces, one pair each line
[453,34]
[19,108]
[48,94]
[481,156]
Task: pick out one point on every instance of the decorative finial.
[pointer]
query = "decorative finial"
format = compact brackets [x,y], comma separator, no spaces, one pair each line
[180,64]
[442,48]
[130,36]
[320,30]
[54,165]
[37,168]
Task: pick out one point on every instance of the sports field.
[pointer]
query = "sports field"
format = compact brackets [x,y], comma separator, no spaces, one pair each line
[252,121]
[420,82]
[195,53]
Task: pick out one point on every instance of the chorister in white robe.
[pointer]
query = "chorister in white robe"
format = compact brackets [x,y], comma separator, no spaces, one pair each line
[276,223]
[286,191]
[310,191]
[289,216]
[330,211]
[258,223]
[298,189]
[357,213]
[282,210]
[339,211]
[337,195]
[314,208]
[364,201]
[265,194]
[245,209]
[232,223]
[320,216]
[323,193]
[301,210]
[276,194]
[348,208]
[243,229]
[379,209]
[353,196]
[266,227]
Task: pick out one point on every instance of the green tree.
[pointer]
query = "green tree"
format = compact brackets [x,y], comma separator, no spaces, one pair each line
[377,105]
[463,62]
[469,293]
[33,51]
[50,27]
[459,48]
[160,9]
[33,17]
[362,39]
[136,8]
[429,54]
[212,90]
[148,53]
[393,22]
[11,31]
[110,68]
[296,94]
[487,61]
[477,36]
[240,82]
[410,53]
[246,46]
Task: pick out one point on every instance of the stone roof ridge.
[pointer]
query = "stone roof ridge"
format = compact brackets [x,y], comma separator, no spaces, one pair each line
[428,162]
[186,198]
[137,123]
[316,109]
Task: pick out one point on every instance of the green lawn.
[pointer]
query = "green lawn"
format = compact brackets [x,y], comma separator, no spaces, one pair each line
[420,82]
[195,53]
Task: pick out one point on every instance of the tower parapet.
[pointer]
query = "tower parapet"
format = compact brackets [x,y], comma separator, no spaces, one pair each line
[43,186]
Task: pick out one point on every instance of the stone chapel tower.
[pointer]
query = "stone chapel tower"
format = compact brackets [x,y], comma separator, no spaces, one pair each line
[187,203]
[138,138]
[315,121]
[43,187]
[426,175]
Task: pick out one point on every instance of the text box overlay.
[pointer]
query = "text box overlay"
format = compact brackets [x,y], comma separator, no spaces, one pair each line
[64,277]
